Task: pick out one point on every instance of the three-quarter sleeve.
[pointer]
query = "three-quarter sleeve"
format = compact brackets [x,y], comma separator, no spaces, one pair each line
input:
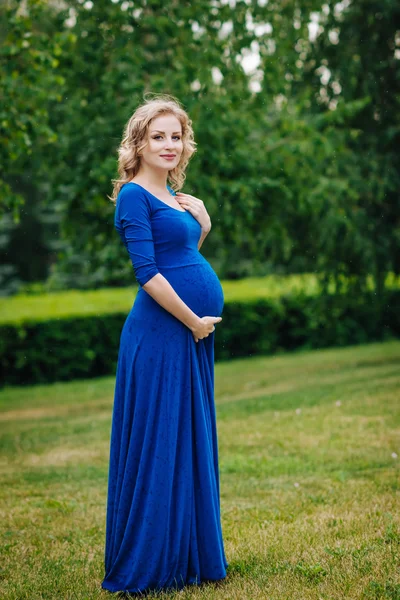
[134,219]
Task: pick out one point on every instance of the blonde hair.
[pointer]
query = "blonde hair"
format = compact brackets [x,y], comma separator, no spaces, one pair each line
[135,139]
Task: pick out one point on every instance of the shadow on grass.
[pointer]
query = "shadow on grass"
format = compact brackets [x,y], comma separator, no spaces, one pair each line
[173,591]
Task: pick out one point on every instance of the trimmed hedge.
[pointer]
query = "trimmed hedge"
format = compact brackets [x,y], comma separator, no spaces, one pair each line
[88,303]
[69,348]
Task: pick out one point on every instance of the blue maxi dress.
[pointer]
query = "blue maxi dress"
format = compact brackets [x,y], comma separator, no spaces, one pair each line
[163,523]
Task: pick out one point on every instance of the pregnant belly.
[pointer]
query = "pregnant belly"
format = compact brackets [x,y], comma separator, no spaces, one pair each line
[198,286]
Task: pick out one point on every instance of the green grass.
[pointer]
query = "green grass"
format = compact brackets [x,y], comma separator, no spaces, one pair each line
[309,450]
[58,305]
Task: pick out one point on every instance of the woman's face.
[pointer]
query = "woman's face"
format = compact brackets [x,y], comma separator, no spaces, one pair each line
[164,147]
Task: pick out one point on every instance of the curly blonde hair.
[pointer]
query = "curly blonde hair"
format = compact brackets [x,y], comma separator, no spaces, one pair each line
[135,139]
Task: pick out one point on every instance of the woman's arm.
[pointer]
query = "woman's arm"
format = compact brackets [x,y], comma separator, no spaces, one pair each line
[134,214]
[204,233]
[160,289]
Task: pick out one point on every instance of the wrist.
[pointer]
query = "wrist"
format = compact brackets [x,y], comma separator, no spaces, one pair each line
[193,322]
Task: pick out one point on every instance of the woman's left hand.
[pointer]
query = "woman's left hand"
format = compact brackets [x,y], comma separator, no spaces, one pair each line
[196,207]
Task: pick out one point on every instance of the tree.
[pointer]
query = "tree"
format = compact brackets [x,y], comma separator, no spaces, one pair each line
[280,161]
[357,57]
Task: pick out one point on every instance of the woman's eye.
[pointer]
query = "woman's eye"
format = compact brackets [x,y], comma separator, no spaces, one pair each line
[158,136]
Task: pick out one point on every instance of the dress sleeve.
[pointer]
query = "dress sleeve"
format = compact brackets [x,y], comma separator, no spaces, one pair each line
[134,218]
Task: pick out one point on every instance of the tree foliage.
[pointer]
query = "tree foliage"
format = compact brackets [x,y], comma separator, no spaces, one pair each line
[297,159]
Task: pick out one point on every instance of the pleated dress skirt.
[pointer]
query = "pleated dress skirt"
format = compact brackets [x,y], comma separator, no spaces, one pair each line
[163,525]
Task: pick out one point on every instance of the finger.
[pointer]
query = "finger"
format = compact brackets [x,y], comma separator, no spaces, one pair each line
[188,197]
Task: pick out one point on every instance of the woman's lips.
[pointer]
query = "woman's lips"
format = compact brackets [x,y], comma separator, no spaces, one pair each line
[168,157]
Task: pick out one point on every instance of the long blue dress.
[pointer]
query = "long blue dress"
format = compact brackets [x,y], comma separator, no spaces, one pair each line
[163,526]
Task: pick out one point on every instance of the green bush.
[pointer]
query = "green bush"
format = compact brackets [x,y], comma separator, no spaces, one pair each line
[38,351]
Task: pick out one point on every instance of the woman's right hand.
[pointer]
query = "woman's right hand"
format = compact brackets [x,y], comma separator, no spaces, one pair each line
[204,327]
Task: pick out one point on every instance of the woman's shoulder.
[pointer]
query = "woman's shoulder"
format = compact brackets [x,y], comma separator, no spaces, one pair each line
[133,193]
[132,201]
[131,189]
[136,188]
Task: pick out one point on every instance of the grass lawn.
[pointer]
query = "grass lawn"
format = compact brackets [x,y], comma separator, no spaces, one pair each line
[309,470]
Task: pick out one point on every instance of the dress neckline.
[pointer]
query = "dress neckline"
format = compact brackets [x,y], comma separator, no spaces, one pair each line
[153,196]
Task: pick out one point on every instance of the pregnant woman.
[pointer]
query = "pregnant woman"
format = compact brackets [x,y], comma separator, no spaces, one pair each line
[163,525]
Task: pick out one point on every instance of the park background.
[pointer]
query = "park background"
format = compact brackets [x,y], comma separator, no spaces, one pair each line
[295,109]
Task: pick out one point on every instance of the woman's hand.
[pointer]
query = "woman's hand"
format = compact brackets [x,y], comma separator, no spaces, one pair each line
[196,207]
[204,327]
